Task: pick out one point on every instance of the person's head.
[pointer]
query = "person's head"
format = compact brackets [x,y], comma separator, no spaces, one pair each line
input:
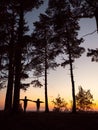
[38,99]
[25,97]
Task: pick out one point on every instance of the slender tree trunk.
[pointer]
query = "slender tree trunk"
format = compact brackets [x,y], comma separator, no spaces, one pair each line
[18,65]
[71,73]
[46,95]
[72,81]
[73,89]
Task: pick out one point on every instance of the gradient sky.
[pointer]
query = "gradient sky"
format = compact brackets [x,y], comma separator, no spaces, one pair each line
[85,71]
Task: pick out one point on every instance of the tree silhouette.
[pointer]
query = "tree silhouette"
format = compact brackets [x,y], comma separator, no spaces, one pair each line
[13,41]
[22,8]
[85,9]
[66,27]
[59,104]
[84,100]
[61,21]
[7,44]
[45,50]
[93,53]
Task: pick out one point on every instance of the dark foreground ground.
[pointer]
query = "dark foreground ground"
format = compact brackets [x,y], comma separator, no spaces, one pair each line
[49,121]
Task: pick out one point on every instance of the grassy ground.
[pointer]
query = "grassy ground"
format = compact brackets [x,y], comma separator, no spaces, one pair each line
[49,121]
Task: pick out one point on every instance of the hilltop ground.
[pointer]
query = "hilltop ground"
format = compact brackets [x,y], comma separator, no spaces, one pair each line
[49,121]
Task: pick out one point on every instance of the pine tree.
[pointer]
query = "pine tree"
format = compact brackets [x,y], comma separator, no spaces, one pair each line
[66,31]
[45,50]
[7,41]
[84,100]
[22,7]
[13,41]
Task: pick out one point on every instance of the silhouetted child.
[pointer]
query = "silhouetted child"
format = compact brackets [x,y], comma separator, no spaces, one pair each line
[38,103]
[25,100]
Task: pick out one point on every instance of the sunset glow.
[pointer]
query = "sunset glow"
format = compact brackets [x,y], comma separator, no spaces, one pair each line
[85,74]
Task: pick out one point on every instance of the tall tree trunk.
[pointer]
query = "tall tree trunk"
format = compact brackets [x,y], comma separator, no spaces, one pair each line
[9,92]
[18,65]
[46,95]
[17,81]
[73,89]
[71,73]
[72,81]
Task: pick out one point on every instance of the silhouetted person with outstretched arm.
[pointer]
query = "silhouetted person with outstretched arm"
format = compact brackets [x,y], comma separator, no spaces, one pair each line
[25,100]
[38,103]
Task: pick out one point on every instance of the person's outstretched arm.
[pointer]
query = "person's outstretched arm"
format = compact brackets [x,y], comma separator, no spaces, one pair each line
[41,102]
[21,99]
[34,101]
[30,100]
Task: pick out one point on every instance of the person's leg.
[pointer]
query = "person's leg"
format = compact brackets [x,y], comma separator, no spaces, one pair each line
[25,106]
[38,106]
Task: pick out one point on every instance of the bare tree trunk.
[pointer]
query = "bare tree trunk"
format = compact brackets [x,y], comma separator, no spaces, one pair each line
[9,92]
[72,81]
[17,82]
[46,95]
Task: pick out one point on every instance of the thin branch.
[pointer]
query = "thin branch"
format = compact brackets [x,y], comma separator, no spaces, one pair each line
[89,33]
